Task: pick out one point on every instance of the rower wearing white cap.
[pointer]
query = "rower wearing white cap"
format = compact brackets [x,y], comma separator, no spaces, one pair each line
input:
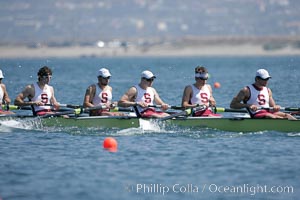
[4,98]
[199,94]
[100,94]
[257,98]
[143,95]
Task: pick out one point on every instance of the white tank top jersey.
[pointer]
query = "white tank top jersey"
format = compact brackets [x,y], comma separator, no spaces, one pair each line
[102,96]
[258,97]
[42,95]
[1,96]
[146,96]
[200,97]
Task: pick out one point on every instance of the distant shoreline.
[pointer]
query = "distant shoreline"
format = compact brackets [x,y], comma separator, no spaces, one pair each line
[10,52]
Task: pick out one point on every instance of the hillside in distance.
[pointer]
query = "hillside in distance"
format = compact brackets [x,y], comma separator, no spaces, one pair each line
[69,22]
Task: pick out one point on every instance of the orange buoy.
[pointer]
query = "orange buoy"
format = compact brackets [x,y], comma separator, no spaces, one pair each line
[217,85]
[110,144]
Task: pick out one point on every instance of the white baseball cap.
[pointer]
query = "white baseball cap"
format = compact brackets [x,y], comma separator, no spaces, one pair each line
[103,72]
[147,74]
[1,74]
[262,73]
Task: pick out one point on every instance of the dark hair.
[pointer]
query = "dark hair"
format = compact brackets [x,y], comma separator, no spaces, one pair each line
[200,69]
[44,71]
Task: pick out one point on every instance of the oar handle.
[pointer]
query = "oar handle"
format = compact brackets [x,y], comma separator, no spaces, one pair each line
[14,107]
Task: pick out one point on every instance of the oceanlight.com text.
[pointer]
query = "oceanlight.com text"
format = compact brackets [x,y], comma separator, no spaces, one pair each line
[249,189]
[164,189]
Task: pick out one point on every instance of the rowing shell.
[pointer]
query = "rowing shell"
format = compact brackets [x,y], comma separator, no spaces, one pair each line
[241,124]
[235,124]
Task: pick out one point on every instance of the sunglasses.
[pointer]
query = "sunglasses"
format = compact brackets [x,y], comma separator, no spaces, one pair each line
[264,79]
[150,79]
[104,77]
[45,77]
[201,78]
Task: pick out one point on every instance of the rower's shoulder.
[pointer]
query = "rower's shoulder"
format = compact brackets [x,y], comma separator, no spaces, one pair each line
[91,87]
[29,86]
[188,87]
[208,86]
[132,91]
[108,87]
[245,89]
[244,92]
[2,85]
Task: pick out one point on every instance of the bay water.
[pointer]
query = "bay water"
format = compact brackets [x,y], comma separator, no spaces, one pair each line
[156,163]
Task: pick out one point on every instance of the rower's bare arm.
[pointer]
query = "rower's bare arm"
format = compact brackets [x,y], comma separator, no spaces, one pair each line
[236,101]
[272,103]
[28,92]
[5,95]
[128,98]
[53,100]
[212,101]
[187,93]
[88,97]
[158,101]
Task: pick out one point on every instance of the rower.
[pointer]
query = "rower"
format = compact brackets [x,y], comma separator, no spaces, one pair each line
[4,98]
[143,95]
[100,95]
[257,99]
[39,94]
[199,95]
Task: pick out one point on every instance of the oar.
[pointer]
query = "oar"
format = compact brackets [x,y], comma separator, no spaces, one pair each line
[115,109]
[14,107]
[178,114]
[170,107]
[217,109]
[137,112]
[185,112]
[220,109]
[67,105]
[76,111]
[287,109]
[121,109]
